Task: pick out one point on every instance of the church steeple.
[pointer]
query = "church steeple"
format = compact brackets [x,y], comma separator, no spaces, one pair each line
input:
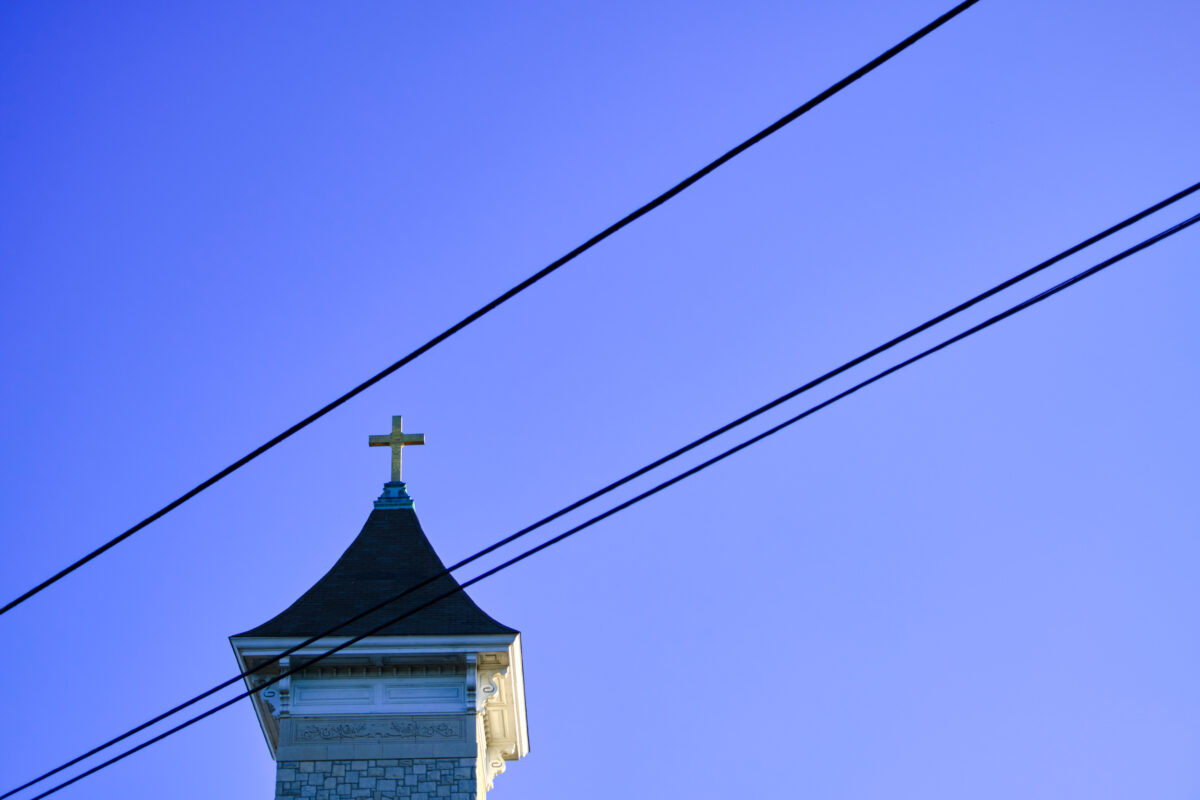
[432,701]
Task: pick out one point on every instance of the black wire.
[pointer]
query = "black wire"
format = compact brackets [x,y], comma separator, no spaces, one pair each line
[520,287]
[633,475]
[1087,273]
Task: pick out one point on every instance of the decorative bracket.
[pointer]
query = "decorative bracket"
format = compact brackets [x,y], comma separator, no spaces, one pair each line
[285,687]
[495,763]
[490,688]
[486,672]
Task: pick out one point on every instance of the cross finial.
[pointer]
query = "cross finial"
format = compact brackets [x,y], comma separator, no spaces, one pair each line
[397,440]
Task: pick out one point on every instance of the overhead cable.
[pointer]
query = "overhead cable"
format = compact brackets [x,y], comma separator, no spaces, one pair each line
[871,65]
[1038,298]
[638,472]
[745,417]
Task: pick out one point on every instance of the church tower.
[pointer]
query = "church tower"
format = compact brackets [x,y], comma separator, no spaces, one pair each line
[430,706]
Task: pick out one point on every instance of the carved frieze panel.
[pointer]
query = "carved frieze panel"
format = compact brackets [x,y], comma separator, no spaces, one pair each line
[393,729]
[356,736]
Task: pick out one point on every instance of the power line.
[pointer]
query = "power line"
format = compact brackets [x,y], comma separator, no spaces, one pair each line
[637,473]
[1081,276]
[513,292]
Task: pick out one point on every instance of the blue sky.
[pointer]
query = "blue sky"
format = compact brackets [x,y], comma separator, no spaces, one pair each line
[974,579]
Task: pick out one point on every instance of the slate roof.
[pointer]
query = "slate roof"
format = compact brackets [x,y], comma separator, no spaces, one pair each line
[390,555]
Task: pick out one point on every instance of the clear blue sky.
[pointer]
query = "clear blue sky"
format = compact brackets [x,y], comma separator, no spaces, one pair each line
[977,579]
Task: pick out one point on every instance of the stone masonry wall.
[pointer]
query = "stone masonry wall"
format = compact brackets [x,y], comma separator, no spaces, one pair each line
[377,779]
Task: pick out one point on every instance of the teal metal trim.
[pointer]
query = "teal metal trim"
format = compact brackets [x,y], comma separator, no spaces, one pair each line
[395,495]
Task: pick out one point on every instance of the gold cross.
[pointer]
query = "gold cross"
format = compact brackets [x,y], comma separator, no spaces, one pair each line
[397,440]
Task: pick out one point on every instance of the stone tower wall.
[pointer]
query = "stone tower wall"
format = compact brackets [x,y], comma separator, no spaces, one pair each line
[377,779]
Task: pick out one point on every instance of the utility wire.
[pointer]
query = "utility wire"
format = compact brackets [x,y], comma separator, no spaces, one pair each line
[656,489]
[879,60]
[633,475]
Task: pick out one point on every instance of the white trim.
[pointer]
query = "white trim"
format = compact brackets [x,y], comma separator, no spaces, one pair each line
[376,645]
[254,702]
[518,690]
[511,675]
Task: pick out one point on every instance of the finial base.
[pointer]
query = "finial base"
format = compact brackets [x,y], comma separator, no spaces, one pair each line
[395,495]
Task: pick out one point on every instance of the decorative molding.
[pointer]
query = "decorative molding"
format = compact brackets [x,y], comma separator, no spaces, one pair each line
[491,670]
[266,705]
[472,683]
[433,697]
[491,685]
[285,687]
[496,660]
[388,646]
[495,762]
[350,731]
[491,707]
[380,695]
[269,696]
[496,745]
[339,670]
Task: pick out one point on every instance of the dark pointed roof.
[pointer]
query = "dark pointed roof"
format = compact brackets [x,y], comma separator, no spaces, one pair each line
[390,555]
